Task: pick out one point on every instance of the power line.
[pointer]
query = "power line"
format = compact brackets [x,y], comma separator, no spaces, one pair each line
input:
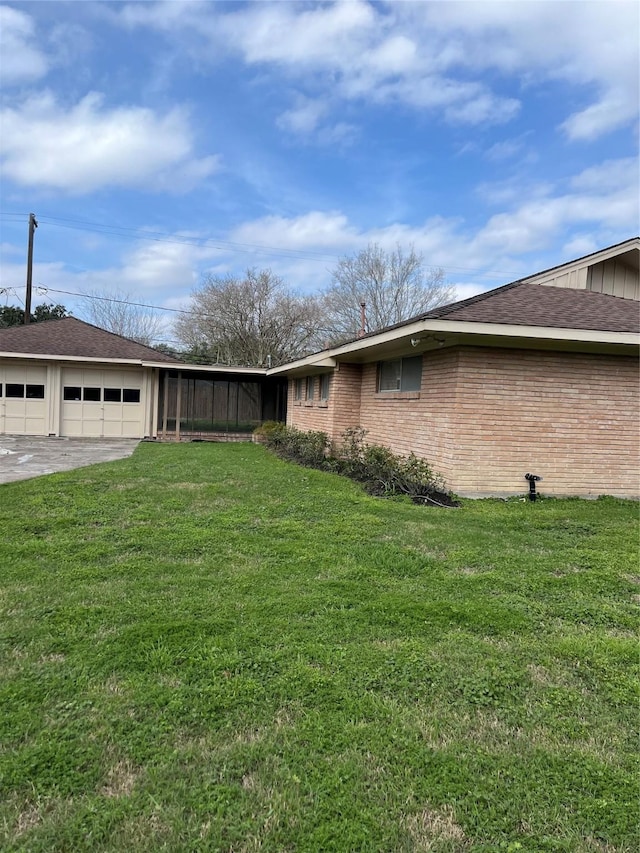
[209,242]
[119,301]
[127,233]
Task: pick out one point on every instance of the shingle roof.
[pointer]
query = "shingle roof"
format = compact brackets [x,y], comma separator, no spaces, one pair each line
[524,303]
[528,304]
[73,337]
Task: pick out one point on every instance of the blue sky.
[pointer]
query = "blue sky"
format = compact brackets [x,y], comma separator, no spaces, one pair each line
[159,142]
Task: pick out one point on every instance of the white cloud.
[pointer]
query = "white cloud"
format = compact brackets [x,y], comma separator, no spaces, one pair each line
[87,146]
[304,118]
[149,271]
[430,55]
[611,112]
[607,176]
[593,45]
[510,149]
[163,266]
[22,59]
[296,34]
[305,123]
[533,218]
[605,197]
[313,231]
[580,245]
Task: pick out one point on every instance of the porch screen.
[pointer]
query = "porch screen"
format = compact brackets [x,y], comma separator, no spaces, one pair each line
[212,405]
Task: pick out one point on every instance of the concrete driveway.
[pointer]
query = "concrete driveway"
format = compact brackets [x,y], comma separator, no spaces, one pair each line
[23,457]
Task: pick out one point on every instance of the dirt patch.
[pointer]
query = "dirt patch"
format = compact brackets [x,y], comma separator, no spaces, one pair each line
[432,827]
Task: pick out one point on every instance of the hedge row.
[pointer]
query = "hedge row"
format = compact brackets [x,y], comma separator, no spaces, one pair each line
[380,471]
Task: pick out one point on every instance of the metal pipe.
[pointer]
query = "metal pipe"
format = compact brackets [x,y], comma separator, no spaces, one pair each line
[533,479]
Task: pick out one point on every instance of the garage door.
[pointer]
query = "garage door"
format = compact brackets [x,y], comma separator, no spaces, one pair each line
[102,403]
[23,400]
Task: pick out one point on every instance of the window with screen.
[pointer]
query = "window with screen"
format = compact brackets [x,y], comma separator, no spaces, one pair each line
[309,387]
[324,386]
[400,374]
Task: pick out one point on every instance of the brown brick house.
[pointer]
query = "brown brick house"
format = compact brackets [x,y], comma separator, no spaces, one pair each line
[538,376]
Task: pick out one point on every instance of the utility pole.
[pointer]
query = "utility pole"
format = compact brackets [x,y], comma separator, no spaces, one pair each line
[27,303]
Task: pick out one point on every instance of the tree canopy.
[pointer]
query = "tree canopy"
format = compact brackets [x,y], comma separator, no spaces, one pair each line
[250,320]
[116,312]
[394,285]
[10,315]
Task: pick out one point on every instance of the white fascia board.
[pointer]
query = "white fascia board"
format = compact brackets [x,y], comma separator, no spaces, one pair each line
[200,368]
[317,360]
[207,368]
[73,358]
[549,333]
[586,261]
[459,327]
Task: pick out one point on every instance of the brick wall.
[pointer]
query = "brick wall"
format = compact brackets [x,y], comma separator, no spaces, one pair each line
[484,417]
[333,416]
[422,422]
[572,418]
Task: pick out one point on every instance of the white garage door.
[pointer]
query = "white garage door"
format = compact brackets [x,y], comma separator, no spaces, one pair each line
[102,403]
[23,400]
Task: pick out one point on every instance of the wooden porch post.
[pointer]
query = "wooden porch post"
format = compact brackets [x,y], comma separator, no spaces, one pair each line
[178,402]
[165,413]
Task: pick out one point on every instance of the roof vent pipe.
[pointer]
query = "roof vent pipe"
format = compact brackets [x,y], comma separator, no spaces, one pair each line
[533,479]
[363,320]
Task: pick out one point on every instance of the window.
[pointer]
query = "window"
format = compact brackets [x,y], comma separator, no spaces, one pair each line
[298,389]
[72,392]
[35,392]
[324,386]
[309,388]
[131,395]
[401,374]
[0,389]
[113,395]
[15,390]
[91,395]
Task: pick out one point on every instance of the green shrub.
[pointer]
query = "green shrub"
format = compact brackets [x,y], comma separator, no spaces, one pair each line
[376,467]
[306,448]
[268,428]
[382,472]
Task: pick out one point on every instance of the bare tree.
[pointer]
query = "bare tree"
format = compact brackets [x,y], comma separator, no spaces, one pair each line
[252,320]
[395,286]
[115,312]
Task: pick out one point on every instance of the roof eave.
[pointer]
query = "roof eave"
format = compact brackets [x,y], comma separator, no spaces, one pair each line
[188,367]
[78,358]
[468,329]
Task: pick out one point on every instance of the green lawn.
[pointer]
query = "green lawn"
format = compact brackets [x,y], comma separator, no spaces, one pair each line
[206,648]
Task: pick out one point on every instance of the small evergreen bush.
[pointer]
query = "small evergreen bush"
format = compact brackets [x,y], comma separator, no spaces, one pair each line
[376,467]
[296,445]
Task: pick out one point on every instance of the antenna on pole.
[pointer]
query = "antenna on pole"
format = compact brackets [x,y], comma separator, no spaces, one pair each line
[33,224]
